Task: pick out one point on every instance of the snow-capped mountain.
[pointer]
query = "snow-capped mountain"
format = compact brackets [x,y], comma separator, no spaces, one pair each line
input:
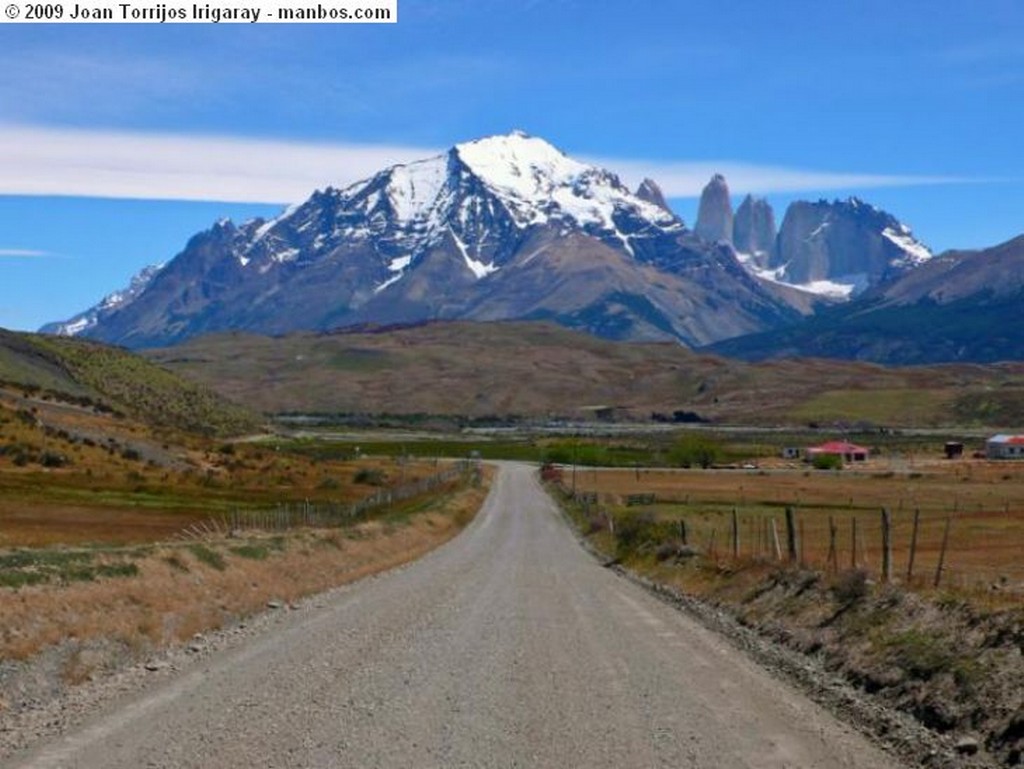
[505,227]
[84,321]
[481,195]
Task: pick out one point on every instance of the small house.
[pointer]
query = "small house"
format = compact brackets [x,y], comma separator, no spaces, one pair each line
[953,449]
[1004,446]
[850,452]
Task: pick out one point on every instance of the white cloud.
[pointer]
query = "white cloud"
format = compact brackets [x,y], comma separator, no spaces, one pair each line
[685,180]
[22,253]
[111,164]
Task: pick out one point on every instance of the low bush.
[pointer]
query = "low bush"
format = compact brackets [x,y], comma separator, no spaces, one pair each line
[210,557]
[851,586]
[370,476]
[827,462]
[252,552]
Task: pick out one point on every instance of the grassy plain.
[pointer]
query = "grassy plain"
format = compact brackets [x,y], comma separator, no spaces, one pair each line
[984,502]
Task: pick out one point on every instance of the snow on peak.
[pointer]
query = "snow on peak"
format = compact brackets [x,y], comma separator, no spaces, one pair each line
[478,189]
[916,251]
[414,188]
[113,301]
[523,166]
[537,182]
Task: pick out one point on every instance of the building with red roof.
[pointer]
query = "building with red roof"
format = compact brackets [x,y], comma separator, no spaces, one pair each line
[1005,446]
[850,452]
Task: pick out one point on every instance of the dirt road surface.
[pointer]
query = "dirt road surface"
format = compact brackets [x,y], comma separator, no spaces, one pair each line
[508,647]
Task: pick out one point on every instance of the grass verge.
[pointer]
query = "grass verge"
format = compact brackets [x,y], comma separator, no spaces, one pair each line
[141,599]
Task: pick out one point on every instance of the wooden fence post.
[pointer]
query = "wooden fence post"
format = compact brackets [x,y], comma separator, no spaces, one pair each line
[942,552]
[735,534]
[776,547]
[913,544]
[853,542]
[790,535]
[886,545]
[833,555]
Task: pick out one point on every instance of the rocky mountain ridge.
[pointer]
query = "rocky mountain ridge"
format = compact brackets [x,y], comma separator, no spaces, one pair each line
[955,307]
[836,249]
[499,228]
[510,228]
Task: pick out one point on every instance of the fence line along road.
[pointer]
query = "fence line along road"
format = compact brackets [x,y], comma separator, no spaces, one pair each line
[285,516]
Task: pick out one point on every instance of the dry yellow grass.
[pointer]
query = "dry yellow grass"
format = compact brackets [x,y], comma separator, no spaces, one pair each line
[983,500]
[178,594]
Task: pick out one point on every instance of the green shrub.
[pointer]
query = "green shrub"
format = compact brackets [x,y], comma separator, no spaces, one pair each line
[370,476]
[18,579]
[827,462]
[636,531]
[923,655]
[176,563]
[53,459]
[210,557]
[695,449]
[117,570]
[252,552]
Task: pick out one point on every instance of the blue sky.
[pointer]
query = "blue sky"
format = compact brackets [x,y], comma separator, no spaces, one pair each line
[118,143]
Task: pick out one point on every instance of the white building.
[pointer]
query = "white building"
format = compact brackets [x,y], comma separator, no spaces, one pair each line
[1005,446]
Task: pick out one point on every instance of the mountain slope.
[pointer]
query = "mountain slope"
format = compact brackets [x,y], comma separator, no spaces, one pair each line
[83,321]
[499,228]
[540,370]
[115,379]
[959,306]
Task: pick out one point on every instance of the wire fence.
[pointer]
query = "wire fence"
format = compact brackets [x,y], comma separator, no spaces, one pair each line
[292,515]
[954,547]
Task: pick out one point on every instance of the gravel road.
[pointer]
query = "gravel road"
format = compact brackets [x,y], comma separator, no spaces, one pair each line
[507,647]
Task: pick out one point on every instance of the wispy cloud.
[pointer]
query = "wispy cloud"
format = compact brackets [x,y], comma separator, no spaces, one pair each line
[110,164]
[23,253]
[59,82]
[687,179]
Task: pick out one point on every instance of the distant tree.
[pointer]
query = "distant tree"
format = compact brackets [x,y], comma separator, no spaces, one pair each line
[827,462]
[695,449]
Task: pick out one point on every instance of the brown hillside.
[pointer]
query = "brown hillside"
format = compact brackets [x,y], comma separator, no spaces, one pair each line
[540,370]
